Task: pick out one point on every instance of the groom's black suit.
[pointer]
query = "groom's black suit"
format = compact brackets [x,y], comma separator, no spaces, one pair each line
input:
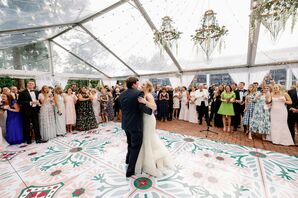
[132,123]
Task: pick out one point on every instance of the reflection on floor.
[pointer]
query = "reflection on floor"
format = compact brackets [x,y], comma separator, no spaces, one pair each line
[92,165]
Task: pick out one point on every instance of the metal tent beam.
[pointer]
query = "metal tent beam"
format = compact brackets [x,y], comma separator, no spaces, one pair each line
[252,41]
[97,14]
[80,59]
[108,49]
[153,27]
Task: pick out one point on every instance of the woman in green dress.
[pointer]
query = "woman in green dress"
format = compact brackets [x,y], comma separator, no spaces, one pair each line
[226,108]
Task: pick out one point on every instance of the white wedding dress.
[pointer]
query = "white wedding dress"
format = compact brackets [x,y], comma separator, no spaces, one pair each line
[154,158]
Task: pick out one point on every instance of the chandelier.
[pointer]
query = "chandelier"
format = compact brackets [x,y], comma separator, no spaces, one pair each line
[210,34]
[274,14]
[168,35]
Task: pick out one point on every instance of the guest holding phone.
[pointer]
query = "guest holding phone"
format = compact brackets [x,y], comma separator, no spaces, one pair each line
[85,115]
[47,116]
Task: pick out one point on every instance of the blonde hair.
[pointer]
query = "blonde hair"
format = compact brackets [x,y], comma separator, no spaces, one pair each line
[58,90]
[149,86]
[43,89]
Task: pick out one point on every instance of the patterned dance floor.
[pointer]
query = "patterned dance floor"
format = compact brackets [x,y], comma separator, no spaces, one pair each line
[92,165]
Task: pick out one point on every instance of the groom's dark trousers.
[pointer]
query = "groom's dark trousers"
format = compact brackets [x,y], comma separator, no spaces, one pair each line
[132,123]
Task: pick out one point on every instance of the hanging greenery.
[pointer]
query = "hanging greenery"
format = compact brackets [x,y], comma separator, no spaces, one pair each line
[168,35]
[209,34]
[274,14]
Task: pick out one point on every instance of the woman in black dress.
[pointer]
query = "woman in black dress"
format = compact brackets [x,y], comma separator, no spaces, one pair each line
[164,103]
[85,115]
[217,102]
[104,99]
[116,103]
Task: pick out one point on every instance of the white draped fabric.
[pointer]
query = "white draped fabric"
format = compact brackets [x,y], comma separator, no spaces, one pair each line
[186,79]
[43,80]
[294,69]
[175,81]
[110,82]
[58,81]
[240,77]
[256,75]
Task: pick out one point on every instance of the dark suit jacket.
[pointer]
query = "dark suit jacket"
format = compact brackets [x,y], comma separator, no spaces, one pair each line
[132,110]
[237,93]
[294,97]
[24,102]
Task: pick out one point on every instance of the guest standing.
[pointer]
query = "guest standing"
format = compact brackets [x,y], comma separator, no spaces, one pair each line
[201,96]
[117,105]
[226,108]
[176,102]
[30,112]
[293,110]
[217,102]
[70,111]
[280,133]
[164,103]
[47,116]
[192,113]
[183,115]
[104,99]
[96,105]
[14,121]
[59,111]
[85,117]
[249,108]
[260,121]
[110,107]
[239,105]
[170,105]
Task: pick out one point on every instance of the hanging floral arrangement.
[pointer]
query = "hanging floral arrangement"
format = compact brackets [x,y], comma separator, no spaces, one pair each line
[168,35]
[274,14]
[210,34]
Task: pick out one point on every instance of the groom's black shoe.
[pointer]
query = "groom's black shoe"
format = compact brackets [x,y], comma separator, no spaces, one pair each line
[129,174]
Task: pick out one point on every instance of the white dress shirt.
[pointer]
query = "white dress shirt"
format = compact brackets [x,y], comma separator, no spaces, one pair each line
[201,96]
[33,97]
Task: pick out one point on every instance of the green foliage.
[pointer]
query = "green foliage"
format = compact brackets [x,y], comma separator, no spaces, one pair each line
[7,82]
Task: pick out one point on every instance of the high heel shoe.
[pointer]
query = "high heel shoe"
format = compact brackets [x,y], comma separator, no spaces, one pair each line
[229,129]
[224,129]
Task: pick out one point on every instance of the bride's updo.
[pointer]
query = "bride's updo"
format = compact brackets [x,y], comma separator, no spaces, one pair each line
[149,86]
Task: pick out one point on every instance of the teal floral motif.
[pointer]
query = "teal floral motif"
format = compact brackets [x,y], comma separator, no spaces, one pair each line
[65,161]
[168,143]
[239,161]
[285,171]
[51,150]
[83,142]
[196,148]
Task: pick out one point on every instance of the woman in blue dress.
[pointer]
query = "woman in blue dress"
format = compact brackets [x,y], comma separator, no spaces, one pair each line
[249,109]
[14,122]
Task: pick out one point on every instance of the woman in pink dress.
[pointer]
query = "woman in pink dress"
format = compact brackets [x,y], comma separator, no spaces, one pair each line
[280,133]
[70,111]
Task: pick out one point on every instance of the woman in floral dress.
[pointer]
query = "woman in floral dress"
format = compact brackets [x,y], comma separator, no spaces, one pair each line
[260,121]
[85,115]
[46,115]
[104,99]
[249,109]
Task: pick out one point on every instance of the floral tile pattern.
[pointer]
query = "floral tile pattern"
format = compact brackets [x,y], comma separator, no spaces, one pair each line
[91,164]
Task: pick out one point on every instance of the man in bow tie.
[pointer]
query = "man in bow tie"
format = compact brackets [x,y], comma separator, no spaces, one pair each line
[239,105]
[28,101]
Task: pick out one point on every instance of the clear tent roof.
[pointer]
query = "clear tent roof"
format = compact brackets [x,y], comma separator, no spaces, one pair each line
[112,38]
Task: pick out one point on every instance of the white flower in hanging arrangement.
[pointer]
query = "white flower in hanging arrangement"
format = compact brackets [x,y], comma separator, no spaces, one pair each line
[168,35]
[274,14]
[210,34]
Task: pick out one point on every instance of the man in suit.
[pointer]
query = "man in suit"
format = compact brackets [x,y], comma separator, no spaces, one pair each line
[157,93]
[293,110]
[171,103]
[239,105]
[28,101]
[132,121]
[201,102]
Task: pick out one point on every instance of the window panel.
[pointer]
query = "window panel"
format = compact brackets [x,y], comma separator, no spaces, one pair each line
[126,33]
[83,45]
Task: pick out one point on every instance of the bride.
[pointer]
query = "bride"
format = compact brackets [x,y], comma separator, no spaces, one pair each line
[154,158]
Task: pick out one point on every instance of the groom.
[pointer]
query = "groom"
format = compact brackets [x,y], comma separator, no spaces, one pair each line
[132,121]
